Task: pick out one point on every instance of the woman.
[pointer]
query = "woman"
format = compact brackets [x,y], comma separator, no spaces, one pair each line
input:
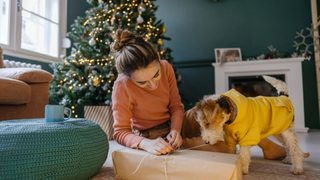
[147,107]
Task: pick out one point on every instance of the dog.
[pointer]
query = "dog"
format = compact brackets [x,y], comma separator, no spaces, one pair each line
[246,120]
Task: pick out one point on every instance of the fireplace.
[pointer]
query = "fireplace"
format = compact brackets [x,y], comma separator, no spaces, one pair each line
[252,86]
[246,77]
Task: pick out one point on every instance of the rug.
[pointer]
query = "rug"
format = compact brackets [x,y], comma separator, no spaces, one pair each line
[262,170]
[259,170]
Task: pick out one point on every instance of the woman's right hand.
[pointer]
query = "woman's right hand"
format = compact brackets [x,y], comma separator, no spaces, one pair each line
[155,146]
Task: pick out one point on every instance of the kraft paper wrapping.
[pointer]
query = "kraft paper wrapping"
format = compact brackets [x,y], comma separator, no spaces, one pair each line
[184,165]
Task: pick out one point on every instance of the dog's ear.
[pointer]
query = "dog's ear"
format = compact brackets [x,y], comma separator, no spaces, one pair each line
[224,104]
[210,110]
[205,109]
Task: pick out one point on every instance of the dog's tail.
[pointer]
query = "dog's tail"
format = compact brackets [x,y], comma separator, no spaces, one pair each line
[281,86]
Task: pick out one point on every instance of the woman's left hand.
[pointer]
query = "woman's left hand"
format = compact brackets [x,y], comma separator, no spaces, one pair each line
[174,138]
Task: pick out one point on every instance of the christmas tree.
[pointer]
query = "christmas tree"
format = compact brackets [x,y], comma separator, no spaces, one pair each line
[87,75]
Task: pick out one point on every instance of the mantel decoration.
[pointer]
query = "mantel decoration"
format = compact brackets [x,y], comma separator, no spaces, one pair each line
[304,47]
[228,54]
[273,53]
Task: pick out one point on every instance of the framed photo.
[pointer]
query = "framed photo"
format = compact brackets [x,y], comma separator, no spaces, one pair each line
[227,55]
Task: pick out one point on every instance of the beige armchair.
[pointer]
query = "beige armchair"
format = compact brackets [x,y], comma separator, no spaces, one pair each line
[24,92]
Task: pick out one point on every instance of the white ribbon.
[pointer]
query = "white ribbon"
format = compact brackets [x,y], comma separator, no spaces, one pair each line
[165,159]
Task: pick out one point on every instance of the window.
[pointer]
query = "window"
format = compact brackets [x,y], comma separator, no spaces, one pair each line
[33,29]
[4,21]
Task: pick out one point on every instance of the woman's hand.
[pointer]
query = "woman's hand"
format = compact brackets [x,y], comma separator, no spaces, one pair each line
[174,138]
[155,146]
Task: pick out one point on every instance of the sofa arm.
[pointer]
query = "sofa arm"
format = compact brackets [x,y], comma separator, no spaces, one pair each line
[27,75]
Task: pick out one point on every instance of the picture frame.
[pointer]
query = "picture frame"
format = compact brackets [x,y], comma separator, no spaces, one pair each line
[227,55]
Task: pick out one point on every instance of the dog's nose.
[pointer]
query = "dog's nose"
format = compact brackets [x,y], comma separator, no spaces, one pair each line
[207,142]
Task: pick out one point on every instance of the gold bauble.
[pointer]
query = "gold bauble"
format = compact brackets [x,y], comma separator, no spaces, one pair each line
[164,30]
[160,41]
[96,81]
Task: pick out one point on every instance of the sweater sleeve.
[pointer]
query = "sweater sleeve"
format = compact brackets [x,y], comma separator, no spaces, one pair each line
[122,113]
[175,106]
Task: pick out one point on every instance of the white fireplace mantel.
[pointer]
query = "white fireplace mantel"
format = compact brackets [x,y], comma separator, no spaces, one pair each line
[290,67]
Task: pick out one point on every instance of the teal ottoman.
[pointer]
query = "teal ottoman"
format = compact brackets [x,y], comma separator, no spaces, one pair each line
[34,149]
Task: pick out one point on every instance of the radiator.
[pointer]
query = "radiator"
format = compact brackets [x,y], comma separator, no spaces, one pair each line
[15,64]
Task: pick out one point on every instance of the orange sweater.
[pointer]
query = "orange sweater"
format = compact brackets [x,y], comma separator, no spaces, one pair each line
[147,108]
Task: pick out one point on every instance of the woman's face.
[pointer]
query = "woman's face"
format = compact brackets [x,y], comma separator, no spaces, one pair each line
[149,77]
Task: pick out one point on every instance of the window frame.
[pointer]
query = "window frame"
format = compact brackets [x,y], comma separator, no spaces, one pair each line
[14,47]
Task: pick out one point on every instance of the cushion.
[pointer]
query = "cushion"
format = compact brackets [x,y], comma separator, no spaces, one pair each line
[34,149]
[14,92]
[28,75]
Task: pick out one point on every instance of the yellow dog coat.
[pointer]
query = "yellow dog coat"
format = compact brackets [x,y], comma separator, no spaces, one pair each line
[257,118]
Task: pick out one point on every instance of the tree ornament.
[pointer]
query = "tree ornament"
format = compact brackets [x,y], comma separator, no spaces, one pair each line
[94,72]
[64,101]
[96,81]
[105,87]
[160,42]
[142,7]
[107,102]
[164,30]
[140,20]
[108,42]
[91,88]
[92,42]
[80,101]
[83,36]
[107,35]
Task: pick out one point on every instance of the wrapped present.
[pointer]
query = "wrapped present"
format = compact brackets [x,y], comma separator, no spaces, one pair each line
[182,164]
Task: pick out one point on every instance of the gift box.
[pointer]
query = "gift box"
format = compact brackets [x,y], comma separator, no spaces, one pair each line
[182,164]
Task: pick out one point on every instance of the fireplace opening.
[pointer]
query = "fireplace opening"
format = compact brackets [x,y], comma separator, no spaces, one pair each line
[252,86]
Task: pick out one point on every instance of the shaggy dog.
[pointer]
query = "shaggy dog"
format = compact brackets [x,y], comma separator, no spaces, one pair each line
[245,121]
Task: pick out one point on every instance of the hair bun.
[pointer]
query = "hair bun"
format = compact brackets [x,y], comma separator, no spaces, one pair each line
[121,39]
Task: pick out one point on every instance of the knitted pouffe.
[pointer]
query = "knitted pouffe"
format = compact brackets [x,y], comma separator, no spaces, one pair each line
[34,149]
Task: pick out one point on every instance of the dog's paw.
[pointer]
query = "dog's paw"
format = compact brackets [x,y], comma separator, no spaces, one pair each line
[296,170]
[287,160]
[245,170]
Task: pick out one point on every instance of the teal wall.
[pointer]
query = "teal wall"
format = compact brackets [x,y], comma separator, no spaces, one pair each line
[198,26]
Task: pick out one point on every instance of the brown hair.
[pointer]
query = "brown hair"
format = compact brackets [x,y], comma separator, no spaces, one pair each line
[132,52]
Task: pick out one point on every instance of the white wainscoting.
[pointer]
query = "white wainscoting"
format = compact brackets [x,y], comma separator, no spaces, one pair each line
[290,67]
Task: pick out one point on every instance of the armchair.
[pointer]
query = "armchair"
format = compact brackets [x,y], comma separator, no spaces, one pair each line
[24,92]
